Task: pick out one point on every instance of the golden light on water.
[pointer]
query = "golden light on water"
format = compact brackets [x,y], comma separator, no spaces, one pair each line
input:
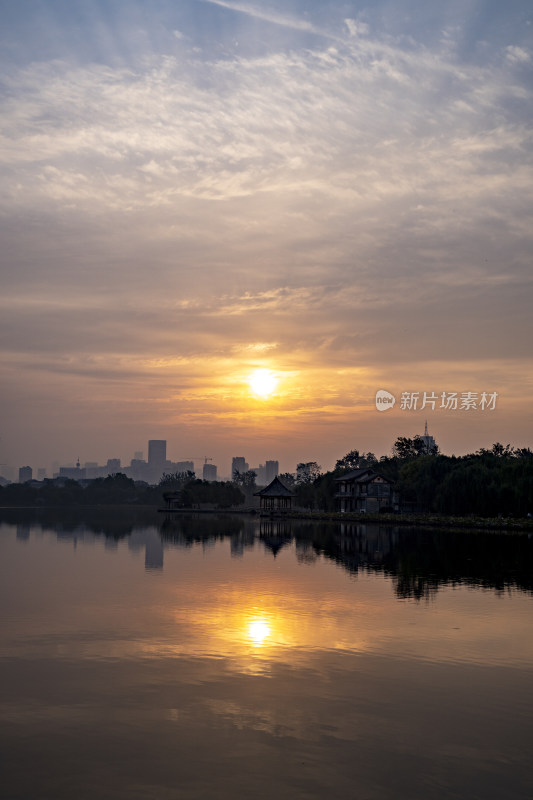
[259,631]
[263,382]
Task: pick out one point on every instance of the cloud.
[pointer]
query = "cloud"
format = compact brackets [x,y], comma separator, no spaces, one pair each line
[356,28]
[517,55]
[268,15]
[319,209]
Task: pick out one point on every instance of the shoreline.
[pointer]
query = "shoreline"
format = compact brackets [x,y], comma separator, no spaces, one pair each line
[503,524]
[414,520]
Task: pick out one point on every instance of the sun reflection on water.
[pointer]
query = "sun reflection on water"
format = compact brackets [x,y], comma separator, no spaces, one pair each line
[259,631]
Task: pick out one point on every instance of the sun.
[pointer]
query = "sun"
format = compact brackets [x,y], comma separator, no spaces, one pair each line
[258,631]
[263,382]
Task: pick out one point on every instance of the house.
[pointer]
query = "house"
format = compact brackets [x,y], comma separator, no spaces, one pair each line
[275,497]
[365,491]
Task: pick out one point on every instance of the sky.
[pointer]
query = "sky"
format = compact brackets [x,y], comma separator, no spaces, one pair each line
[339,193]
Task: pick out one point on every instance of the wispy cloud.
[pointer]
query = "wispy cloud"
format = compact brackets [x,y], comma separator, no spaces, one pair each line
[517,55]
[267,15]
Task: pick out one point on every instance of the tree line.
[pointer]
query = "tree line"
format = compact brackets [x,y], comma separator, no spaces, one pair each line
[489,482]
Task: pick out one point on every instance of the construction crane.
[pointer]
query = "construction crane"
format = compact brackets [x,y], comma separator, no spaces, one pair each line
[196,458]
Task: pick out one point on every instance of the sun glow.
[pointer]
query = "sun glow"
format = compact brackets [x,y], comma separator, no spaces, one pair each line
[258,631]
[263,382]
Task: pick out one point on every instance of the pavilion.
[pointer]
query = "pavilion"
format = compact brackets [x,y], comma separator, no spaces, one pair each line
[275,497]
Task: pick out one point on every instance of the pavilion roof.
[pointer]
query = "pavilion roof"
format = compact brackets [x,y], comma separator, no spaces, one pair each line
[275,489]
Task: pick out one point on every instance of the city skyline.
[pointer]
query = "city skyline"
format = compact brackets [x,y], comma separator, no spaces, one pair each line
[230,225]
[150,469]
[156,464]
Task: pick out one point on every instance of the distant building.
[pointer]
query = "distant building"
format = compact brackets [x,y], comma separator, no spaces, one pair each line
[113,466]
[137,470]
[157,459]
[183,466]
[238,464]
[365,491]
[429,442]
[157,452]
[72,473]
[41,473]
[271,470]
[209,472]
[25,474]
[259,474]
[7,472]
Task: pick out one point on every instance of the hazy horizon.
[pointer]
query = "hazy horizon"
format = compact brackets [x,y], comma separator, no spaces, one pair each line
[337,194]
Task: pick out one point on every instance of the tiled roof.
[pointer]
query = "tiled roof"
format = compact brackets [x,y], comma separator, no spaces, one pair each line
[275,489]
[354,474]
[362,476]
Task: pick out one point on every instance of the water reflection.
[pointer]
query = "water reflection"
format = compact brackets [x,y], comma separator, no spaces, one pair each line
[259,630]
[418,561]
[224,657]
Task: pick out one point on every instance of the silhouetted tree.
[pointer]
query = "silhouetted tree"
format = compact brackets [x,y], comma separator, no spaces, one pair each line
[307,472]
[216,493]
[245,479]
[175,480]
[499,450]
[288,479]
[355,460]
[409,448]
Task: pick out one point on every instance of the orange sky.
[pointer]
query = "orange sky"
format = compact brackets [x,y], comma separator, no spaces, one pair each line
[235,188]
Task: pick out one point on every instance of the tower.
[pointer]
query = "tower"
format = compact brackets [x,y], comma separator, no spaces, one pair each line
[429,441]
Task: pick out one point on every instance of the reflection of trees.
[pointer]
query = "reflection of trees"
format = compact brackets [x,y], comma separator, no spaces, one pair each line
[112,522]
[418,561]
[187,529]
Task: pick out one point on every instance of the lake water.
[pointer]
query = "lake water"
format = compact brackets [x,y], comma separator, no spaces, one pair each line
[150,657]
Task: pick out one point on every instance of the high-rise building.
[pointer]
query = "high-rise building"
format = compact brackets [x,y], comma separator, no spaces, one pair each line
[7,472]
[25,474]
[209,472]
[137,470]
[41,473]
[259,474]
[271,470]
[157,460]
[73,473]
[157,452]
[429,442]
[113,466]
[238,464]
[183,466]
